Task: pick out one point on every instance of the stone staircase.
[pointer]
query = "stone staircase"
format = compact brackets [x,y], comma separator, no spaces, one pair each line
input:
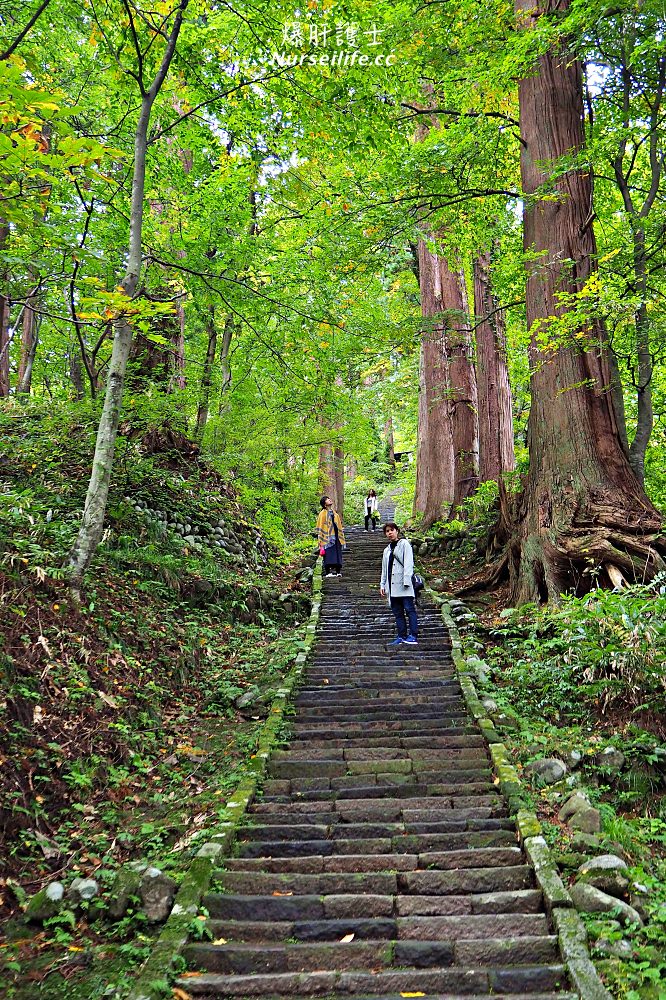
[380,861]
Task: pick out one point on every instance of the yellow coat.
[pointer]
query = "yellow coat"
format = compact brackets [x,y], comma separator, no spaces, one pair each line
[325,532]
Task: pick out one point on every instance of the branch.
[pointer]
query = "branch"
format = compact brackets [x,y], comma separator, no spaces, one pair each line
[453,113]
[17,41]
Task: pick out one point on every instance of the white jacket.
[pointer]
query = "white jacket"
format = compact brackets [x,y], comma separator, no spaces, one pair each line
[401,575]
[372,503]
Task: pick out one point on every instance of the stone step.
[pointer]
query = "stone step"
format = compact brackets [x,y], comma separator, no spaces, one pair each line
[358,831]
[413,928]
[403,726]
[411,878]
[261,958]
[390,741]
[377,751]
[403,844]
[516,980]
[398,784]
[295,786]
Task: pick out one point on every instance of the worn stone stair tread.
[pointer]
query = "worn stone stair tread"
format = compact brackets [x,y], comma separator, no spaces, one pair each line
[400,844]
[281,924]
[468,981]
[398,996]
[263,957]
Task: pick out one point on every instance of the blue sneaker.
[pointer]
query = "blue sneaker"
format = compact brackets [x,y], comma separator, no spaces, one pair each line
[411,641]
[396,642]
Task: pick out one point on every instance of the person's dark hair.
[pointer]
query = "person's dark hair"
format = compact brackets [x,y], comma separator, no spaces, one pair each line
[322,502]
[371,493]
[388,525]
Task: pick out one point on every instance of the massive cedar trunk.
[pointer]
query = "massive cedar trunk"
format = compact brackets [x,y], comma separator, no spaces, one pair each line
[331,474]
[496,454]
[582,507]
[434,450]
[463,402]
[447,450]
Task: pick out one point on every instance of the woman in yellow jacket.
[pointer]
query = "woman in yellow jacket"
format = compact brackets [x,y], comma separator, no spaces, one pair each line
[331,538]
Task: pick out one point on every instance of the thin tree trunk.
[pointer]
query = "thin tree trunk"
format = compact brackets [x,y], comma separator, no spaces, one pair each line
[207,376]
[4,345]
[496,453]
[225,367]
[645,414]
[582,507]
[75,369]
[29,340]
[92,523]
[389,440]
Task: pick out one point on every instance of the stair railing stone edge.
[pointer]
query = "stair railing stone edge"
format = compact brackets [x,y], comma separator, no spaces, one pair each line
[571,932]
[174,935]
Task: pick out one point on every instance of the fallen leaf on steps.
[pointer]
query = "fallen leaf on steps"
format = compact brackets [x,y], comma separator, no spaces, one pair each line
[347,939]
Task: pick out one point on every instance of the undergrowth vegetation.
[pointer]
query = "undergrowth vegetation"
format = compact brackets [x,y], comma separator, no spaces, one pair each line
[121,732]
[605,651]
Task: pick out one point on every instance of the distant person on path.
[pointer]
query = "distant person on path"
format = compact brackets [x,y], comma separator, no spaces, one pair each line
[396,585]
[371,510]
[331,537]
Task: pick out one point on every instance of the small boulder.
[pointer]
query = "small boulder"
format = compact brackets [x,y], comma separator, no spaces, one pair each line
[614,949]
[577,800]
[607,872]
[610,759]
[588,899]
[588,820]
[82,890]
[572,758]
[46,903]
[125,885]
[546,771]
[585,843]
[157,892]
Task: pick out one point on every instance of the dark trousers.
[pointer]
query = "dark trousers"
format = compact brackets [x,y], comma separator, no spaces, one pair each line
[404,608]
[373,518]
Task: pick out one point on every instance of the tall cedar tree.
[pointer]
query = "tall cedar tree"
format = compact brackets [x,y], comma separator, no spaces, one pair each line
[582,505]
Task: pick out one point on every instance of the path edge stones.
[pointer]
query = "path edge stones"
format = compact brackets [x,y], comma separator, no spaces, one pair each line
[570,929]
[154,973]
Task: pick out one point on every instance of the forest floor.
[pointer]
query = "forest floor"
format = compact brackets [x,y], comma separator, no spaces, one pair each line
[553,703]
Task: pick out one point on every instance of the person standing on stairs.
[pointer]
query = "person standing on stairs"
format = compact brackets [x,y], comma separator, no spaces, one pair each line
[331,537]
[371,510]
[396,585]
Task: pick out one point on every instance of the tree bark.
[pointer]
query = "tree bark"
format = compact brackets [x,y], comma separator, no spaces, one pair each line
[496,453]
[4,345]
[433,497]
[645,413]
[582,508]
[225,367]
[29,340]
[207,376]
[447,448]
[92,522]
[331,474]
[389,440]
